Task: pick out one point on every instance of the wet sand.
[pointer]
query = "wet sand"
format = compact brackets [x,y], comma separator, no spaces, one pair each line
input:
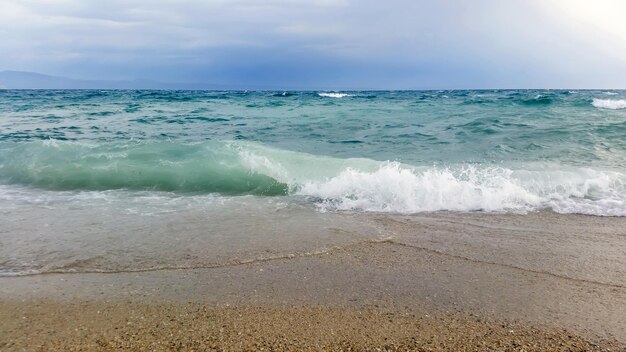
[431,282]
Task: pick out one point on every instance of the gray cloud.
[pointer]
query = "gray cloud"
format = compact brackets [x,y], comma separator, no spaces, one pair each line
[314,43]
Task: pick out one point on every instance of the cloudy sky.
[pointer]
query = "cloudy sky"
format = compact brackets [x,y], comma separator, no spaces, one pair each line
[327,44]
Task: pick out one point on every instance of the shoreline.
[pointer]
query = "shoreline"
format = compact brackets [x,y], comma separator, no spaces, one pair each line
[439,281]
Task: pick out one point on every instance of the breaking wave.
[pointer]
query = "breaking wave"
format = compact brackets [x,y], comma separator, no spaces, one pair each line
[334,95]
[609,104]
[332,184]
[398,189]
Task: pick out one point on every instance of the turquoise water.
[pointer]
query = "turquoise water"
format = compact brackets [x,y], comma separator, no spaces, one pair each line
[403,152]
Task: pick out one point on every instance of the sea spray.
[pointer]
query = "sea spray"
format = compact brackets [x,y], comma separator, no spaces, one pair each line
[610,103]
[334,95]
[398,189]
[334,184]
[396,151]
[133,180]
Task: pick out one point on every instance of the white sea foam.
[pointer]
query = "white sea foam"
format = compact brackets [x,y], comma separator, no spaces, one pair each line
[610,93]
[353,184]
[264,165]
[396,188]
[334,95]
[373,186]
[609,104]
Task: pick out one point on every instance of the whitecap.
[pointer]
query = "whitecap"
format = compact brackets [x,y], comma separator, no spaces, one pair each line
[334,95]
[397,188]
[609,104]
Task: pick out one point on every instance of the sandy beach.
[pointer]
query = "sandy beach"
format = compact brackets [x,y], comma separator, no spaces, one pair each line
[108,326]
[429,282]
[312,175]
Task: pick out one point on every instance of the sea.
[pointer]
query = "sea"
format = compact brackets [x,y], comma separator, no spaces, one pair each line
[138,180]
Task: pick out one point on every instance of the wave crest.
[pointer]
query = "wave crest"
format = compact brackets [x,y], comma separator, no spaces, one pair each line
[333,184]
[398,189]
[609,104]
[334,95]
[163,166]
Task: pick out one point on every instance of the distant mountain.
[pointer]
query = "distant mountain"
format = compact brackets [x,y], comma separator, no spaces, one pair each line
[32,80]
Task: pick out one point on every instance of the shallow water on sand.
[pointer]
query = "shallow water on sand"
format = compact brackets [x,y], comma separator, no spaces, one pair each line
[143,180]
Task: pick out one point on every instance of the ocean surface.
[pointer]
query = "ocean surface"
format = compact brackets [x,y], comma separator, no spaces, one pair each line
[110,180]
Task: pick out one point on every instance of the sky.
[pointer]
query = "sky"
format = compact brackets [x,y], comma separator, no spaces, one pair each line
[322,44]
